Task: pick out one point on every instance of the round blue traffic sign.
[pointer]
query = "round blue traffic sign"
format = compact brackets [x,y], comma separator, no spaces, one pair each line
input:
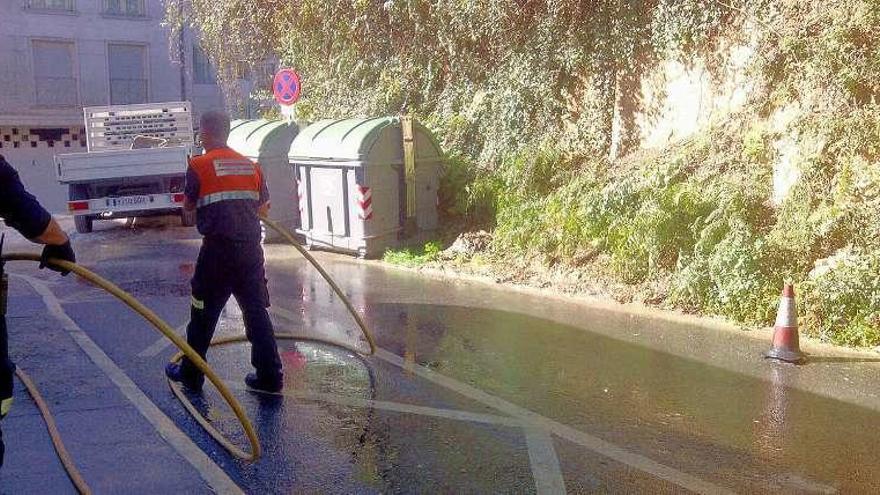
[286,87]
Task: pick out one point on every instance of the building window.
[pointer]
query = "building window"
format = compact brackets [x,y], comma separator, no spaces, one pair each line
[125,8]
[203,72]
[54,76]
[55,5]
[242,70]
[128,74]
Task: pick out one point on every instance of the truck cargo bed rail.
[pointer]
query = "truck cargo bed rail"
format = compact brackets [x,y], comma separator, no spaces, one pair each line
[116,127]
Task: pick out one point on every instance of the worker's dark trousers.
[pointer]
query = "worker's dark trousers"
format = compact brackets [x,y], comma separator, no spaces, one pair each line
[235,268]
[6,371]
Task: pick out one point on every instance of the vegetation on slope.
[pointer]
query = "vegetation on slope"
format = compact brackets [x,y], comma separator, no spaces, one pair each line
[524,95]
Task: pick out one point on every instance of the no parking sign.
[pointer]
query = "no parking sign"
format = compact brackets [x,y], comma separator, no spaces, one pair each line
[286,87]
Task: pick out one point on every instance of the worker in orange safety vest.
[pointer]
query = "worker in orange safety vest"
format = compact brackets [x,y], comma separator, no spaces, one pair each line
[229,193]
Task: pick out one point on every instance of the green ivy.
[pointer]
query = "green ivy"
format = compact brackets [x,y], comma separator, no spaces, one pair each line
[523,96]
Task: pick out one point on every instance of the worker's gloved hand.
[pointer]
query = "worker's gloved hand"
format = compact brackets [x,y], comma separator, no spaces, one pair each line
[61,252]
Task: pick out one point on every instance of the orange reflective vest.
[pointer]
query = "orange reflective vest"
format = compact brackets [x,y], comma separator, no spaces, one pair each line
[226,175]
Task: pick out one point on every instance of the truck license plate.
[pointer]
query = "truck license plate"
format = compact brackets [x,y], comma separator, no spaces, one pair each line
[130,201]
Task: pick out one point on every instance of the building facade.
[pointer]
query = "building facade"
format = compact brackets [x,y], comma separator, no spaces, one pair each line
[58,56]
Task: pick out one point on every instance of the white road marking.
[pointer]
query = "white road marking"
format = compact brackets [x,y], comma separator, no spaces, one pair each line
[545,463]
[542,454]
[531,419]
[163,342]
[586,440]
[492,419]
[213,475]
[160,344]
[283,313]
[805,485]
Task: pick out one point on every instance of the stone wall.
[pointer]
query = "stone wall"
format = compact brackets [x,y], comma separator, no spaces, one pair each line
[676,100]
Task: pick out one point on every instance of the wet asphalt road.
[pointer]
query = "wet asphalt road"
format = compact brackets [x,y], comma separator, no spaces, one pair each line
[474,390]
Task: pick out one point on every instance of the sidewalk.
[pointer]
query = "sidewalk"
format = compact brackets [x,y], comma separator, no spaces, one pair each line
[116,449]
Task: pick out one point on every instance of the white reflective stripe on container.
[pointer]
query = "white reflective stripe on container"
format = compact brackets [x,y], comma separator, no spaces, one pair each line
[226,195]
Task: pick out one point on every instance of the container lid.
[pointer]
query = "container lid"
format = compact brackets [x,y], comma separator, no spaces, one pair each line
[375,140]
[261,138]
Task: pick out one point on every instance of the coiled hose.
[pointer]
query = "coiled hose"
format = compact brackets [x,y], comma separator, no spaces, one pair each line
[185,350]
[208,427]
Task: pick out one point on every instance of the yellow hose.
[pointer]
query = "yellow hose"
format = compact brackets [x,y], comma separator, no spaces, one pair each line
[200,419]
[167,331]
[77,479]
[178,392]
[185,350]
[357,318]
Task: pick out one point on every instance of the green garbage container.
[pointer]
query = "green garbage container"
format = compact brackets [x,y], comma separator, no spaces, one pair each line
[268,142]
[353,186]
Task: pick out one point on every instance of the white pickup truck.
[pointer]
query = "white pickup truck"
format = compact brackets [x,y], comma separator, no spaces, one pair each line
[135,164]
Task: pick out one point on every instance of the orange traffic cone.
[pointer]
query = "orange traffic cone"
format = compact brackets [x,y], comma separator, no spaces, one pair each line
[786,346]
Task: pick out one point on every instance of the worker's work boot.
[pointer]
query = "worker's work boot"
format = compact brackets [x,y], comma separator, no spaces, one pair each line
[174,372]
[262,385]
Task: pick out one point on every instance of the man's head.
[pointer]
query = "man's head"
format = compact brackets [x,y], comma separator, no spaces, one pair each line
[214,129]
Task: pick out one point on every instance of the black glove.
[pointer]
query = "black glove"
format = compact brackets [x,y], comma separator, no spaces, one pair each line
[61,252]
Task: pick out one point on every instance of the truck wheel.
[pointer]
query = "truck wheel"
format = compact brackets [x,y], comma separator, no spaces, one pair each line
[83,223]
[187,218]
[78,192]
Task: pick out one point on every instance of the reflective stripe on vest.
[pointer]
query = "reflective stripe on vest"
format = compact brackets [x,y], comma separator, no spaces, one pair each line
[231,166]
[5,406]
[225,195]
[225,175]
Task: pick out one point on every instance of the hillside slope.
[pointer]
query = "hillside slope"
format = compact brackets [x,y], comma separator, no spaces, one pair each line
[698,153]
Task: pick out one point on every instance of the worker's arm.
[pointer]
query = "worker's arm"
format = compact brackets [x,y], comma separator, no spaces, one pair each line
[265,204]
[52,235]
[191,189]
[19,208]
[21,211]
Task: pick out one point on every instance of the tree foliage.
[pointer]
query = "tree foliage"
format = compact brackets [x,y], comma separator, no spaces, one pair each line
[490,75]
[527,94]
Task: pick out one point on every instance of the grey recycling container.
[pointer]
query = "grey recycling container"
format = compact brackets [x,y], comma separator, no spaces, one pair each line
[352,185]
[268,142]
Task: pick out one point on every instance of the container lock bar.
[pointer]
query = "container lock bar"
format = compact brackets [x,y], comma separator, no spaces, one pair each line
[409,162]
